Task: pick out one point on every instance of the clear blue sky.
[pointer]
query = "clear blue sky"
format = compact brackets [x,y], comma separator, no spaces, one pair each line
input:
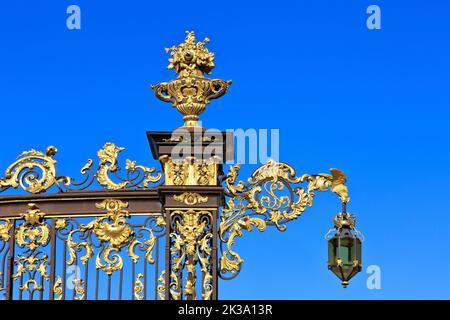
[373,103]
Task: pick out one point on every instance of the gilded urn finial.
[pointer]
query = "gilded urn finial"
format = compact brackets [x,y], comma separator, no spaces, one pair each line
[191,91]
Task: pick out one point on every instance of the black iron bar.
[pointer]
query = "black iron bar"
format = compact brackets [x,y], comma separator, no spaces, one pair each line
[97,275]
[52,260]
[120,284]
[10,267]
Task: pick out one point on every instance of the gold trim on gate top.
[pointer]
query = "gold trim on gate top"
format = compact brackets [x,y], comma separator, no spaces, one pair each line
[36,172]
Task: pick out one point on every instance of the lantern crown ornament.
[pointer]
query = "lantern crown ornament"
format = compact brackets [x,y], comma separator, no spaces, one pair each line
[191,91]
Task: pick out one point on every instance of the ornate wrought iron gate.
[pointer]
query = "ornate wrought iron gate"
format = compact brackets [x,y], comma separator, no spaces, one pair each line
[140,233]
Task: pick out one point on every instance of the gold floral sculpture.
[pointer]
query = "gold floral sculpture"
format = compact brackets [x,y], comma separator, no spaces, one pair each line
[191,91]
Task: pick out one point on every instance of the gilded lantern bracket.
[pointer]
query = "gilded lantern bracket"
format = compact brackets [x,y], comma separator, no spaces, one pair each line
[273,195]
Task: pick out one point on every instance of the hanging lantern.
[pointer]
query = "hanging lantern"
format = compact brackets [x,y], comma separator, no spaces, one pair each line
[344,249]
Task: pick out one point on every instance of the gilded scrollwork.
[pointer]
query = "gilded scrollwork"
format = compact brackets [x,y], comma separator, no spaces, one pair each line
[78,287]
[114,233]
[190,198]
[204,255]
[36,172]
[108,169]
[108,260]
[273,195]
[161,286]
[148,244]
[106,241]
[231,261]
[139,287]
[174,287]
[58,288]
[111,230]
[5,229]
[31,235]
[108,163]
[190,171]
[34,232]
[34,262]
[191,246]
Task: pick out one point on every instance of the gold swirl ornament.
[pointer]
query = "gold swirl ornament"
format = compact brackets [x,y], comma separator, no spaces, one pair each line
[34,172]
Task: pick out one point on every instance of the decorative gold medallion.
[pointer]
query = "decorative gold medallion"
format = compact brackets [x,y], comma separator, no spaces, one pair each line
[190,198]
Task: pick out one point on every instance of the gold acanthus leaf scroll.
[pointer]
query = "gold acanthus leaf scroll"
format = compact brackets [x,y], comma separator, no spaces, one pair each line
[115,234]
[273,195]
[190,198]
[36,172]
[34,232]
[173,286]
[58,289]
[5,229]
[191,247]
[111,229]
[139,287]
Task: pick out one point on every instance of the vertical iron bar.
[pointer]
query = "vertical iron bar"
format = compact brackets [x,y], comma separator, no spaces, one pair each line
[20,285]
[97,275]
[145,279]
[76,281]
[52,260]
[133,275]
[179,275]
[64,276]
[214,259]
[10,267]
[120,284]
[168,262]
[203,276]
[109,287]
[86,279]
[4,274]
[41,289]
[156,267]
